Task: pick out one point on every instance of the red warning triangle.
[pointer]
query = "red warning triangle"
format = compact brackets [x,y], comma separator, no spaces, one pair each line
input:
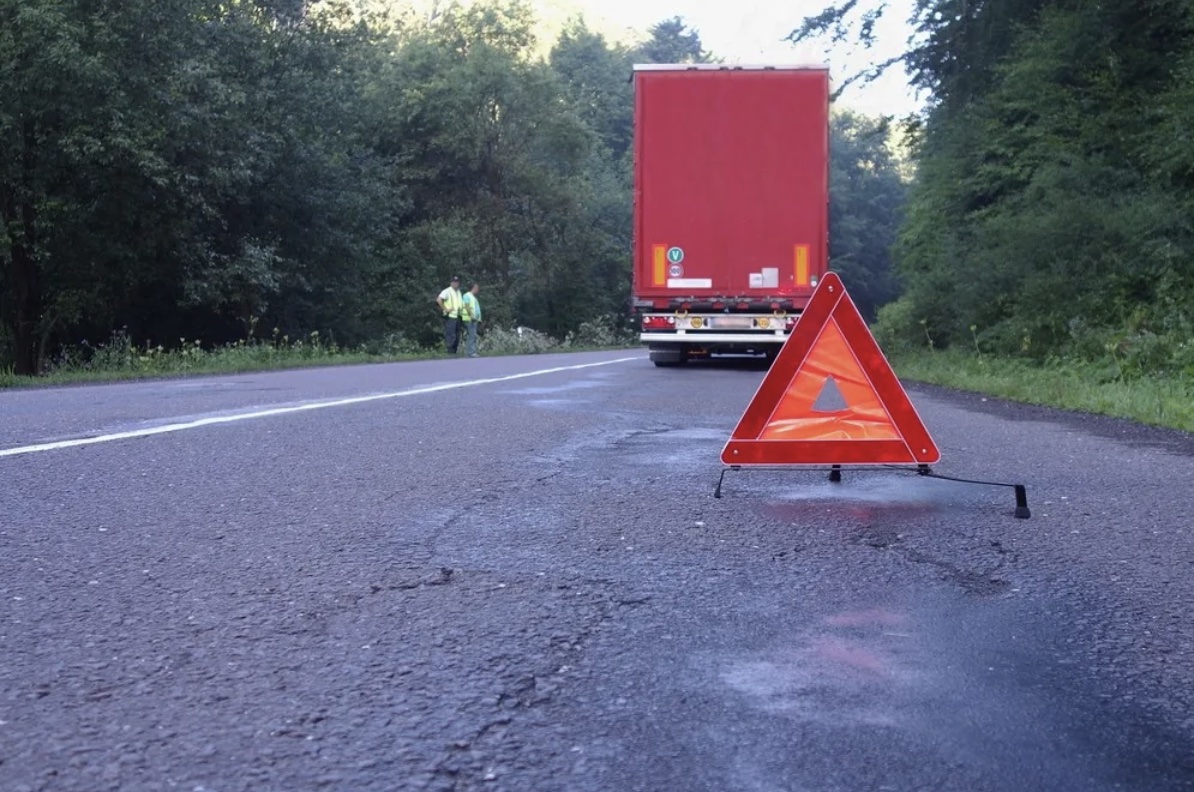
[797,415]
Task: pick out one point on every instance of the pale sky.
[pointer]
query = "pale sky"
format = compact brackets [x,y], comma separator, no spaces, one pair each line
[751,31]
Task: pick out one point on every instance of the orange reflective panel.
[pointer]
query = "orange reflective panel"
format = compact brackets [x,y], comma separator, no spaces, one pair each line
[830,362]
[659,254]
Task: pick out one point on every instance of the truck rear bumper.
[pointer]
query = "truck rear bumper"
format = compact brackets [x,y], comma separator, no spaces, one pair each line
[702,339]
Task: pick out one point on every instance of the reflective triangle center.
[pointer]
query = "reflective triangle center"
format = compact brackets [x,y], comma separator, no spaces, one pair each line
[830,398]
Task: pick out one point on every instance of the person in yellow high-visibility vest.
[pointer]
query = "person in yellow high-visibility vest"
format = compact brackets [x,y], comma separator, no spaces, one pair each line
[471,316]
[451,303]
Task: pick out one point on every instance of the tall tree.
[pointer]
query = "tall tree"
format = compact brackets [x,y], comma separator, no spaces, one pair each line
[673,41]
[1049,213]
[496,165]
[867,197]
[80,126]
[175,166]
[596,77]
[1070,204]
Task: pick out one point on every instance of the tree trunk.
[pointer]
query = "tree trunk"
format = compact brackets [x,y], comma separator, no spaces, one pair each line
[28,307]
[20,218]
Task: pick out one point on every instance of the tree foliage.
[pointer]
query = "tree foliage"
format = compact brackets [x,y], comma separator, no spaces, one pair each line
[672,41]
[1050,216]
[867,198]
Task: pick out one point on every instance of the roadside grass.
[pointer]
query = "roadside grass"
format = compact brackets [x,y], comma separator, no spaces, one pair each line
[1159,401]
[120,359]
[113,363]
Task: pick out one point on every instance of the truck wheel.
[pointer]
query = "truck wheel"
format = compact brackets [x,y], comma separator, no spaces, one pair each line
[664,358]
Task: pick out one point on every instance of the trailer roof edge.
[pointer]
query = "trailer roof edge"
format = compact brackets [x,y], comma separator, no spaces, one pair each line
[644,67]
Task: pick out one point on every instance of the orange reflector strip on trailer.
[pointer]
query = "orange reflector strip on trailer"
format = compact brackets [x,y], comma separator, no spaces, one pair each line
[660,259]
[802,265]
[830,397]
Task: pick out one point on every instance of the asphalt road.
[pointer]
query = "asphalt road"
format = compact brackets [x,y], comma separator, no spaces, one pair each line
[482,575]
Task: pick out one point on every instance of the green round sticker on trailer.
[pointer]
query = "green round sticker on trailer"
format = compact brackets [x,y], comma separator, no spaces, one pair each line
[675,254]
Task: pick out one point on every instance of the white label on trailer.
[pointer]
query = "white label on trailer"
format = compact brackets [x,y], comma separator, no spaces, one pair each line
[690,283]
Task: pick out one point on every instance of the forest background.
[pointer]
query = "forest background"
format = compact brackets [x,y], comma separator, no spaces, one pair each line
[193,172]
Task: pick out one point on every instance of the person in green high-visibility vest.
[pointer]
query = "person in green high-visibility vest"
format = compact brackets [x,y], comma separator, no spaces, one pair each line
[470,315]
[451,303]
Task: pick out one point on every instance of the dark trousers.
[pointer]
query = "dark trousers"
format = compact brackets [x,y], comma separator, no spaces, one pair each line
[451,334]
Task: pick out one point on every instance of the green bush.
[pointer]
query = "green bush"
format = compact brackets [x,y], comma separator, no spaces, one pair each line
[120,356]
[517,341]
[393,345]
[899,327]
[601,333]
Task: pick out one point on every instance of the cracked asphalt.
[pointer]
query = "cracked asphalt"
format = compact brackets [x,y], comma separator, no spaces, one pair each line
[526,584]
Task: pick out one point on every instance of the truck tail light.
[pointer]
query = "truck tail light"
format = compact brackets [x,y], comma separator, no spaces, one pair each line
[659,322]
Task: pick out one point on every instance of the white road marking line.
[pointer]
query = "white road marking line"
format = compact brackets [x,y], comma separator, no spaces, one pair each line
[179,427]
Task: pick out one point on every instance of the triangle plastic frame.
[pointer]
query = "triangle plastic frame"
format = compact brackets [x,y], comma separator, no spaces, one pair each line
[887,430]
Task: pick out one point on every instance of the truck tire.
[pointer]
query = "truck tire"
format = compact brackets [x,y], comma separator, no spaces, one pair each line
[667,358]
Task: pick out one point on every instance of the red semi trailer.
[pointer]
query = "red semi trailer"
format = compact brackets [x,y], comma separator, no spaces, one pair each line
[731,215]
